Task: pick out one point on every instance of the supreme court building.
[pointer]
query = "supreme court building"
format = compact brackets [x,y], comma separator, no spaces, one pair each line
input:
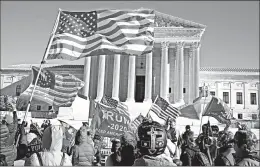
[171,70]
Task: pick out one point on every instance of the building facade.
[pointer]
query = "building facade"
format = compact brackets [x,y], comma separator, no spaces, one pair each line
[239,89]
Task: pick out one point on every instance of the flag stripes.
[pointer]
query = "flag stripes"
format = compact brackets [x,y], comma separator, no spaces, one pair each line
[54,89]
[137,121]
[81,34]
[164,110]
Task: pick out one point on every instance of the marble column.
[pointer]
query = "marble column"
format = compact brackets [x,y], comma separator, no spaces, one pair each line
[86,79]
[175,91]
[258,94]
[164,73]
[191,74]
[101,77]
[116,77]
[131,80]
[148,77]
[197,70]
[218,92]
[180,61]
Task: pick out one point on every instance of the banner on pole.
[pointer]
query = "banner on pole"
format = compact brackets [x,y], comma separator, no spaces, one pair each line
[109,122]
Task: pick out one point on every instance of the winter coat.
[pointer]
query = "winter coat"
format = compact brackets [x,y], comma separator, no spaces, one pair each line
[83,153]
[52,145]
[7,140]
[113,160]
[250,160]
[160,160]
[225,157]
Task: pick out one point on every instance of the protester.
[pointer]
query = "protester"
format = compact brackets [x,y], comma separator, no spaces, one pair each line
[204,141]
[83,151]
[128,146]
[191,155]
[226,149]
[97,146]
[8,128]
[114,159]
[152,153]
[245,146]
[52,145]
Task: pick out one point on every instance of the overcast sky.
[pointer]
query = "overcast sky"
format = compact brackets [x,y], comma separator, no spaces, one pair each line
[231,38]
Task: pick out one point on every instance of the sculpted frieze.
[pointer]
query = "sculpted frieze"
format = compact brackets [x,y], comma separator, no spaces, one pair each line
[165,20]
[177,33]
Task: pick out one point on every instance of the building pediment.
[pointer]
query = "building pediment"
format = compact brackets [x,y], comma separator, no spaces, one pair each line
[165,20]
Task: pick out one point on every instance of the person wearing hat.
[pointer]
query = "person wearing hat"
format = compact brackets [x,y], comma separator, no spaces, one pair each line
[8,128]
[245,145]
[114,159]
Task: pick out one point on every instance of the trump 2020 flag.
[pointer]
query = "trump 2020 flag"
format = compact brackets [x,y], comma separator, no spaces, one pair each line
[58,90]
[219,110]
[109,122]
[103,32]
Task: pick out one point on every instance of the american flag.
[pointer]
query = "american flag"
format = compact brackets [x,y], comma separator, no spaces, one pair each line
[56,90]
[102,32]
[164,110]
[108,101]
[137,121]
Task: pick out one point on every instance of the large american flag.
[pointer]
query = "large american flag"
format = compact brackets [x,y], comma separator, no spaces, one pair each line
[103,32]
[54,89]
[164,109]
[122,108]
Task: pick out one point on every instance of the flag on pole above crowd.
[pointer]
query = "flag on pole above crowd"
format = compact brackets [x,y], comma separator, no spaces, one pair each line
[58,90]
[108,121]
[122,108]
[103,32]
[219,110]
[164,109]
[137,121]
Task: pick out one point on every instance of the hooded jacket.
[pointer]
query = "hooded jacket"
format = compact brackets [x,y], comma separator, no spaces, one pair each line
[83,152]
[52,145]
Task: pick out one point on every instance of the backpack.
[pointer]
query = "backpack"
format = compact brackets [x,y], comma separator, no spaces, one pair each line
[198,158]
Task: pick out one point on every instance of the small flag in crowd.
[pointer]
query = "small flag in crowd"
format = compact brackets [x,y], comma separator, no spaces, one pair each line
[218,109]
[103,32]
[164,110]
[137,121]
[54,89]
[122,108]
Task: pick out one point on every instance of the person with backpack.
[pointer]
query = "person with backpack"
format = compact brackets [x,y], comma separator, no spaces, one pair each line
[51,155]
[83,151]
[151,144]
[226,149]
[245,145]
[114,159]
[191,155]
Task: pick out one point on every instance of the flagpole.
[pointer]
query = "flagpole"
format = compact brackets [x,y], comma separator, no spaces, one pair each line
[202,113]
[152,105]
[40,68]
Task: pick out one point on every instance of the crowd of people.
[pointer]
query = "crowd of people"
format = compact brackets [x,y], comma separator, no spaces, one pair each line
[153,144]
